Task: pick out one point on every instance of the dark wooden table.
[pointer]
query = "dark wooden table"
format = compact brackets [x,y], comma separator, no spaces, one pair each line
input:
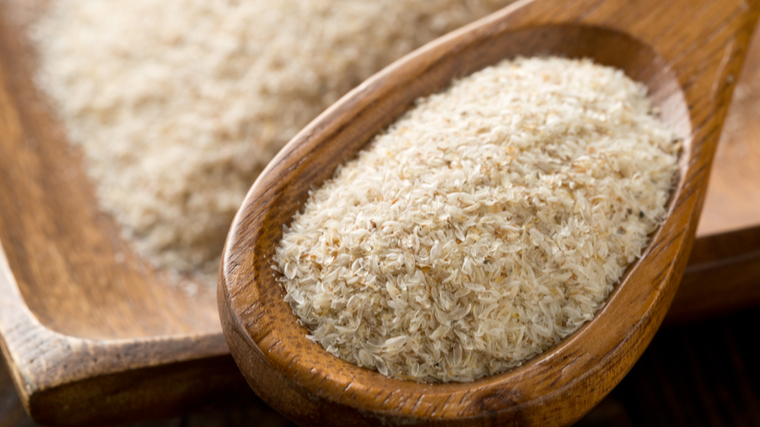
[701,374]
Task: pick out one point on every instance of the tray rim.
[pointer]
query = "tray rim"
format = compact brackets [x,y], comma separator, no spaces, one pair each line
[22,335]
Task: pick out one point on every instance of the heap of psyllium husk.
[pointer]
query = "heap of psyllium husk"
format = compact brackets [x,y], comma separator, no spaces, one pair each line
[178,105]
[485,225]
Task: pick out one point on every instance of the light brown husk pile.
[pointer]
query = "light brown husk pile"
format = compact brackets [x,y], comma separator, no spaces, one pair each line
[178,105]
[485,225]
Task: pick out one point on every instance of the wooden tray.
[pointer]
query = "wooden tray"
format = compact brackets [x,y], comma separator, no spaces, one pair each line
[89,339]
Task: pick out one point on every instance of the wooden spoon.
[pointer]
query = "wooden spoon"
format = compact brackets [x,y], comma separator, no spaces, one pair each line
[687,52]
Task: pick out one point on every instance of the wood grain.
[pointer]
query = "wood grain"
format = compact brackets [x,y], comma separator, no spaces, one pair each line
[723,276]
[700,375]
[12,412]
[246,412]
[733,200]
[74,324]
[687,52]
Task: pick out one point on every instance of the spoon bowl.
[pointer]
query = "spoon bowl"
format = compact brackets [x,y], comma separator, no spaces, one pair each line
[686,52]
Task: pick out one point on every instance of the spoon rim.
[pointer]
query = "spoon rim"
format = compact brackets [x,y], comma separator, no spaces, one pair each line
[237,311]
